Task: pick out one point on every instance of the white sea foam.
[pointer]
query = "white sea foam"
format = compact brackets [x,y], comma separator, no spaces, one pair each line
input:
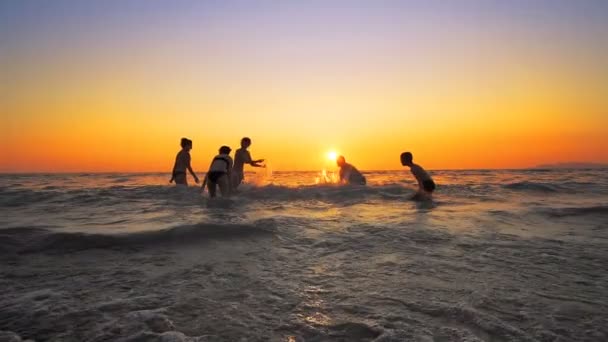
[496,256]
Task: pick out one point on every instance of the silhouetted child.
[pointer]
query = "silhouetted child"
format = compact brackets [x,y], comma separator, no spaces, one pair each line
[242,157]
[182,163]
[348,173]
[219,173]
[426,186]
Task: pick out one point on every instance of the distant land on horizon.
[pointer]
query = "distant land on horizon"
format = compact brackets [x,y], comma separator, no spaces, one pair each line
[572,165]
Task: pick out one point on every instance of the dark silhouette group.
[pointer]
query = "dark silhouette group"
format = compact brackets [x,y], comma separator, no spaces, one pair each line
[224,172]
[227,174]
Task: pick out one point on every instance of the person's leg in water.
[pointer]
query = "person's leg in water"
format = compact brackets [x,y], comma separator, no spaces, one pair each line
[180,178]
[211,187]
[418,196]
[224,183]
[236,178]
[425,192]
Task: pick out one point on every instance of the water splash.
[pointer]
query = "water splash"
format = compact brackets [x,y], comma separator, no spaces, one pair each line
[327,177]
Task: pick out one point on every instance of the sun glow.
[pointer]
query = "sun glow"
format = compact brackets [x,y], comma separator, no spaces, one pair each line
[294,79]
[332,155]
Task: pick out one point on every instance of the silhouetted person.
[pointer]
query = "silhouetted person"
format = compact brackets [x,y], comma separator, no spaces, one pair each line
[348,173]
[219,173]
[182,163]
[242,157]
[426,185]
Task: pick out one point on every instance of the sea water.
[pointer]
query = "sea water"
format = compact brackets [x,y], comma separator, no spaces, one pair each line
[497,255]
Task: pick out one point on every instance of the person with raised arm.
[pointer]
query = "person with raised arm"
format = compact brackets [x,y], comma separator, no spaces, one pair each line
[242,157]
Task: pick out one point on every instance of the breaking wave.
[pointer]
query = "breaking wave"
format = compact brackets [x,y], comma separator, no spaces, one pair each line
[574,211]
[40,239]
[119,194]
[533,186]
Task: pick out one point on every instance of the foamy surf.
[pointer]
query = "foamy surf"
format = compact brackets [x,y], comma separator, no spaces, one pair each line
[24,240]
[496,256]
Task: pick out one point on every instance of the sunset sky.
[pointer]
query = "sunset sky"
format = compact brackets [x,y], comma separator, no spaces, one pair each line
[113,85]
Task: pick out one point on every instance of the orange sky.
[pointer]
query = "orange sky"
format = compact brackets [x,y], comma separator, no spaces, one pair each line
[498,91]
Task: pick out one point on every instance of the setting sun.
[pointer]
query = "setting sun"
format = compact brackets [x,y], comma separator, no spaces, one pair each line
[374,80]
[303,170]
[332,155]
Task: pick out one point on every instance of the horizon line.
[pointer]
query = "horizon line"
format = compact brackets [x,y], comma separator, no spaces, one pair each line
[596,166]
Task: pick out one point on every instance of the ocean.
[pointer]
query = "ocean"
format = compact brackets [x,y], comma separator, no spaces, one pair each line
[497,255]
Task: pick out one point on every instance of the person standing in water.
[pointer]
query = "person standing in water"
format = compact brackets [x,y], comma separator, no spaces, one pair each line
[348,173]
[242,157]
[219,173]
[426,185]
[182,163]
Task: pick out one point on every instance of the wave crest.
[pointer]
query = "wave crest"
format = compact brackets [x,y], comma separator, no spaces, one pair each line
[574,211]
[28,240]
[333,193]
[532,186]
